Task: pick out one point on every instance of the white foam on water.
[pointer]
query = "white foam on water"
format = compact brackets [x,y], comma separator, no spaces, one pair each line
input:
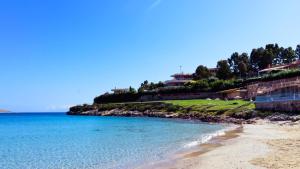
[207,137]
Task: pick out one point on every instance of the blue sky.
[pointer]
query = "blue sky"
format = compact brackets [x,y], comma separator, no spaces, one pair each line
[57,53]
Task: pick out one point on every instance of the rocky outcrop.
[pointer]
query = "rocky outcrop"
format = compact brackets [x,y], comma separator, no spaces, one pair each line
[160,114]
[238,114]
[126,113]
[283,117]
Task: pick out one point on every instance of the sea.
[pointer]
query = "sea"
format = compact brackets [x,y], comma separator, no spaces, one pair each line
[60,141]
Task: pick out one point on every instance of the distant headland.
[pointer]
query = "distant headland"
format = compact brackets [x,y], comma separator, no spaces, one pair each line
[4,111]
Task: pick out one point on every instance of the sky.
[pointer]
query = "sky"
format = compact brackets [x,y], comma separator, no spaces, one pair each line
[59,53]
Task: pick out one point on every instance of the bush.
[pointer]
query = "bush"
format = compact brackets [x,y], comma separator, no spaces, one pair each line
[205,85]
[175,90]
[223,85]
[81,108]
[275,76]
[281,75]
[115,98]
[201,84]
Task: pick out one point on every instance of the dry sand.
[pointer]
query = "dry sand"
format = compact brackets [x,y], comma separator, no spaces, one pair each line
[262,145]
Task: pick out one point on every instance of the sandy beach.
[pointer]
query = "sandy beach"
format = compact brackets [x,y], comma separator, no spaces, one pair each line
[257,146]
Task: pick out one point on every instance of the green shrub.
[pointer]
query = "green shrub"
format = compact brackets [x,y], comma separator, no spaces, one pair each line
[115,98]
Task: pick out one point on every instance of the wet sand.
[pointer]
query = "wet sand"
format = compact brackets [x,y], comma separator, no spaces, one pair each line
[255,146]
[179,159]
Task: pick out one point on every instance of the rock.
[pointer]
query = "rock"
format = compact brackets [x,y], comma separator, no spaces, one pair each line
[295,118]
[173,115]
[90,112]
[279,117]
[239,118]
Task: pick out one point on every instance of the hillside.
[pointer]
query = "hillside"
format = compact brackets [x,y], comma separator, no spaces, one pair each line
[205,110]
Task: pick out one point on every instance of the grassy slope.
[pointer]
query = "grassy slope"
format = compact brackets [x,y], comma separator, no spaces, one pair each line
[233,108]
[216,104]
[183,108]
[215,107]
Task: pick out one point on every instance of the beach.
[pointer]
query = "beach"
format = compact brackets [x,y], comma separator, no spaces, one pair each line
[257,146]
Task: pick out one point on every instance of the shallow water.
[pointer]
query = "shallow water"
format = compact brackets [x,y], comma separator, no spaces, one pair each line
[55,140]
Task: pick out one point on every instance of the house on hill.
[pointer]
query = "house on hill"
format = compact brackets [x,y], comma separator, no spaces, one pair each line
[277,68]
[120,91]
[179,79]
[213,71]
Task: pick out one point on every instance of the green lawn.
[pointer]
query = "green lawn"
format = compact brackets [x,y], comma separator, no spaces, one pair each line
[205,105]
[183,108]
[213,105]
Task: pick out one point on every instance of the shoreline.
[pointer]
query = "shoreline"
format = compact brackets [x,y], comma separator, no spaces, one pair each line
[160,114]
[213,141]
[254,146]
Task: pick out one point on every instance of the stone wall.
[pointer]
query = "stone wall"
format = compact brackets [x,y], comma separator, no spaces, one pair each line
[181,96]
[284,106]
[265,87]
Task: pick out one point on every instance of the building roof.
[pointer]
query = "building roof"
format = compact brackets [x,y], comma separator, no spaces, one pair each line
[296,63]
[182,74]
[213,69]
[273,69]
[176,81]
[281,67]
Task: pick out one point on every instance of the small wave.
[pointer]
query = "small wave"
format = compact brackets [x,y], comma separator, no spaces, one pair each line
[207,137]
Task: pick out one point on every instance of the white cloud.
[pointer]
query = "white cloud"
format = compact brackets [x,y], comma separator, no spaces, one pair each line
[155,4]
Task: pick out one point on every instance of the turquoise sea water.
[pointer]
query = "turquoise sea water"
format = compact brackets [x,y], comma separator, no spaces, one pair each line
[55,140]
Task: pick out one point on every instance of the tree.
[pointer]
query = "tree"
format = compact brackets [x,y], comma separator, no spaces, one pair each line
[149,86]
[266,59]
[288,55]
[233,62]
[239,64]
[255,57]
[273,51]
[143,86]
[160,84]
[131,90]
[202,72]
[145,83]
[261,58]
[223,71]
[243,69]
[297,52]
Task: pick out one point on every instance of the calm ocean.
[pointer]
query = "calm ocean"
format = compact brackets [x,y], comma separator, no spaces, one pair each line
[59,141]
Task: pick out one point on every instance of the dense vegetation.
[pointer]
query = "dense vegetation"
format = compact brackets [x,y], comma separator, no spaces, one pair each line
[114,98]
[213,85]
[243,66]
[274,76]
[234,72]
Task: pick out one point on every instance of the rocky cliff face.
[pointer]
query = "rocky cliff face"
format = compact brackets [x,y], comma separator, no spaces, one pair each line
[163,110]
[149,113]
